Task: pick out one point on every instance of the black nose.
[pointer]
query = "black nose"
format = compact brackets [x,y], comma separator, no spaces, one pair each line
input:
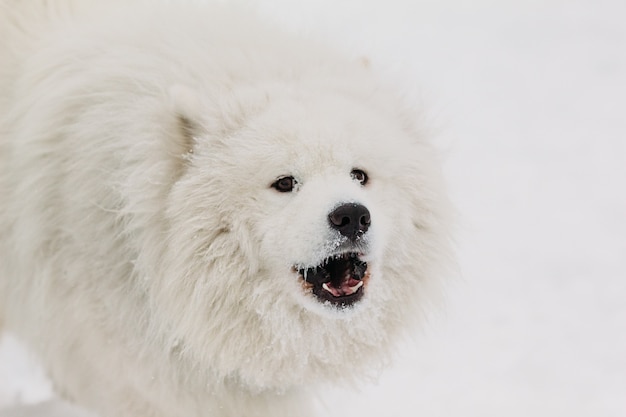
[351,220]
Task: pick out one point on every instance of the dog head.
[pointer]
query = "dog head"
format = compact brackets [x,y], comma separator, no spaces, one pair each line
[304,232]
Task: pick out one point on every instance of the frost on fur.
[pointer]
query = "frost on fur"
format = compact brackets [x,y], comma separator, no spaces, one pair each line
[201,215]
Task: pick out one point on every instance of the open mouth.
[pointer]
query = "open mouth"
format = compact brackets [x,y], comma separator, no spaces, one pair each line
[338,280]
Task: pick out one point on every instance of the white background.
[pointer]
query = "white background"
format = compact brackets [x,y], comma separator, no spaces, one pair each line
[528,101]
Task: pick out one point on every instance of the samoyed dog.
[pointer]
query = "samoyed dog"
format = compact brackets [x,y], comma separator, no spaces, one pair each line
[201,215]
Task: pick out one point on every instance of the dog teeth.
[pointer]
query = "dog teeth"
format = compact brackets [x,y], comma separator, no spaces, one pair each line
[333,291]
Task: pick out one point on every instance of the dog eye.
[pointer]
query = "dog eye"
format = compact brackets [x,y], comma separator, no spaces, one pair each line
[359,176]
[285,184]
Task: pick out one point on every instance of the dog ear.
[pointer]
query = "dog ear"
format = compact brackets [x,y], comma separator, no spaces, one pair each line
[186,106]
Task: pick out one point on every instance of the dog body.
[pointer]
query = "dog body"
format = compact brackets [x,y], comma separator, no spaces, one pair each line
[202,216]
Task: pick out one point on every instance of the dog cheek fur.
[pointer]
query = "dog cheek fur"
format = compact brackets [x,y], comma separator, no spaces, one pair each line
[420,252]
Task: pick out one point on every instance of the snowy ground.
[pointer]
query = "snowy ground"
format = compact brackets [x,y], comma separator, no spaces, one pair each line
[529,99]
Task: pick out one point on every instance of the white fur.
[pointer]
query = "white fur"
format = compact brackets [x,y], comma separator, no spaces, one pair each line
[143,253]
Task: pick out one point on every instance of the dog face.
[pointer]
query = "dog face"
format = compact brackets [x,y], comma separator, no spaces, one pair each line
[313,224]
[325,231]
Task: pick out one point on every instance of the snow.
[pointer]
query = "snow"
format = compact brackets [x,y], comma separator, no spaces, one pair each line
[529,99]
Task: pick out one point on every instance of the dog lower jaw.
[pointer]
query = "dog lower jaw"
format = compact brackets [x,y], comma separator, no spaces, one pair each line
[340,301]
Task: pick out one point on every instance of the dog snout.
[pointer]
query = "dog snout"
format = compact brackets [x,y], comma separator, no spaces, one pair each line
[351,220]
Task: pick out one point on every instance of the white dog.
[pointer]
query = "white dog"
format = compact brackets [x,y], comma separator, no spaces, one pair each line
[201,216]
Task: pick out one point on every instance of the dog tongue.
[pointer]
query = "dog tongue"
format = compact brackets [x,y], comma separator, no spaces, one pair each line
[346,287]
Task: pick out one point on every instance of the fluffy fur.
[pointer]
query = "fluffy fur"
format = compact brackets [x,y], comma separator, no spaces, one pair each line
[143,251]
